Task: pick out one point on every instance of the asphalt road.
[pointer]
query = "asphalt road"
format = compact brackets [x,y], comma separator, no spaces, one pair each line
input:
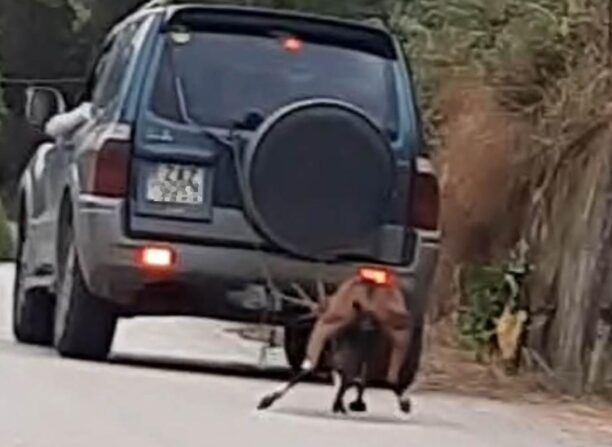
[182,383]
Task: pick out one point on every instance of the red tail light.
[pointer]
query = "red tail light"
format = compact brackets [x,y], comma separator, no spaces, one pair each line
[108,174]
[425,210]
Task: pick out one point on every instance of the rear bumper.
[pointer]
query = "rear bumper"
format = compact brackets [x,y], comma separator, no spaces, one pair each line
[109,262]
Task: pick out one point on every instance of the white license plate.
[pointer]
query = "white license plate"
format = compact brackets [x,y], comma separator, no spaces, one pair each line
[173,183]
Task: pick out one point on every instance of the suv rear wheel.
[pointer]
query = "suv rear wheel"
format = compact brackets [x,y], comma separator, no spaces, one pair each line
[32,308]
[413,357]
[84,324]
[296,342]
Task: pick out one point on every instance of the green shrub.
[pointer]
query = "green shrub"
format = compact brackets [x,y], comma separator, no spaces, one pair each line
[6,237]
[486,291]
[483,300]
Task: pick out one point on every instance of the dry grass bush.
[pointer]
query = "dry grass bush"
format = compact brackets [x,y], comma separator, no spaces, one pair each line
[476,161]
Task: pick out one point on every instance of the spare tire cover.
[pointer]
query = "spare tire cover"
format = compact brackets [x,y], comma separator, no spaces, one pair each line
[319,176]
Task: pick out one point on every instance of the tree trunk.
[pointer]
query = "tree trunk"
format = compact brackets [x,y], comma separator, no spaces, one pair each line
[578,245]
[571,320]
[599,358]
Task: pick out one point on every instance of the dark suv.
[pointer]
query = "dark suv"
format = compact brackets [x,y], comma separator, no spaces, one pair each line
[223,162]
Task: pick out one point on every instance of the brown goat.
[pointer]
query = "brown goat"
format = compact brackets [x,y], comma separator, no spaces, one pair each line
[367,327]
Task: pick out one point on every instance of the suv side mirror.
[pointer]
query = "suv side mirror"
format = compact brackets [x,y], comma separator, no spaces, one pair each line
[42,103]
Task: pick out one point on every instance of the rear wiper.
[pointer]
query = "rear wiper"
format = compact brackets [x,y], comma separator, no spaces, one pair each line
[179,90]
[251,120]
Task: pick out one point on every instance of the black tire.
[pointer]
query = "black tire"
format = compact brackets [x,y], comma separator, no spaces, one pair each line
[417,307]
[32,309]
[84,324]
[412,363]
[296,341]
[33,323]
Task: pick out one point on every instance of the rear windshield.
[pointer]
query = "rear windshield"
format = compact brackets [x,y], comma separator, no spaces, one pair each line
[220,78]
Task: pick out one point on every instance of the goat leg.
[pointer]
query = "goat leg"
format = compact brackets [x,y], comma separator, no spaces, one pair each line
[391,313]
[399,348]
[359,405]
[322,333]
[342,386]
[337,316]
[405,404]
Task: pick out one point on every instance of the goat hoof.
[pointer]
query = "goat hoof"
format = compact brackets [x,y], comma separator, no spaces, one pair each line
[267,402]
[339,408]
[358,406]
[406,406]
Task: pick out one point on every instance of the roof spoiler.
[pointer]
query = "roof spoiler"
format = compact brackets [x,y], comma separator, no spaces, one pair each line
[376,18]
[350,34]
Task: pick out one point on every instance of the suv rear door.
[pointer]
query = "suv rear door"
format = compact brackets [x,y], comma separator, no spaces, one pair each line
[211,80]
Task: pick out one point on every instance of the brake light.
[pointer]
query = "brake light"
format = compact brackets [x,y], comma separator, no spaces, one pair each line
[156,257]
[425,202]
[292,44]
[108,175]
[378,277]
